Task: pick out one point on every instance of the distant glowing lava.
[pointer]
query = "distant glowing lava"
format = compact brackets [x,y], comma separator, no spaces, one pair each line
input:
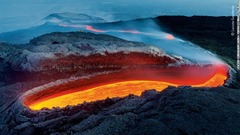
[170,37]
[130,31]
[90,28]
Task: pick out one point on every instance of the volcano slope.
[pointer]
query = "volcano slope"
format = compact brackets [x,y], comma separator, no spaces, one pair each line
[58,64]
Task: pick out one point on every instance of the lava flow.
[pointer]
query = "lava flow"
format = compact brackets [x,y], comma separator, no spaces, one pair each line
[90,28]
[170,37]
[119,74]
[142,74]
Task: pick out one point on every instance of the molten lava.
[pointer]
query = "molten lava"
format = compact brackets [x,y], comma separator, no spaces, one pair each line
[170,37]
[125,82]
[130,31]
[120,89]
[90,28]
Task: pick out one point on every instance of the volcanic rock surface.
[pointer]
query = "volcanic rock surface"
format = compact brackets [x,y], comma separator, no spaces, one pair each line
[66,53]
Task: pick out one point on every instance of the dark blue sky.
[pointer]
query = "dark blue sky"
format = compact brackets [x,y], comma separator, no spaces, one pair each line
[29,12]
[11,8]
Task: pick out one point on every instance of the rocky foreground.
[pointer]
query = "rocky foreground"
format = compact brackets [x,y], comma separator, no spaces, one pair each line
[182,110]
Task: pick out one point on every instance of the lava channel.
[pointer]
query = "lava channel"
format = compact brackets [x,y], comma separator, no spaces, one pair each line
[129,79]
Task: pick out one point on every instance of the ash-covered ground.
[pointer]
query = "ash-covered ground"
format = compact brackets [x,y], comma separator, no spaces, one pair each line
[182,110]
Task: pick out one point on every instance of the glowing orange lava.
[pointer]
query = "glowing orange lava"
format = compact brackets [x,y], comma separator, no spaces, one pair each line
[130,31]
[124,83]
[170,37]
[90,28]
[119,89]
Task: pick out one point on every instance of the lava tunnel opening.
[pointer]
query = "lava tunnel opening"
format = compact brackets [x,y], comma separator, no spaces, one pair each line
[137,72]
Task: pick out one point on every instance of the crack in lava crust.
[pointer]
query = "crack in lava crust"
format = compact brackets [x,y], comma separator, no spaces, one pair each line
[125,82]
